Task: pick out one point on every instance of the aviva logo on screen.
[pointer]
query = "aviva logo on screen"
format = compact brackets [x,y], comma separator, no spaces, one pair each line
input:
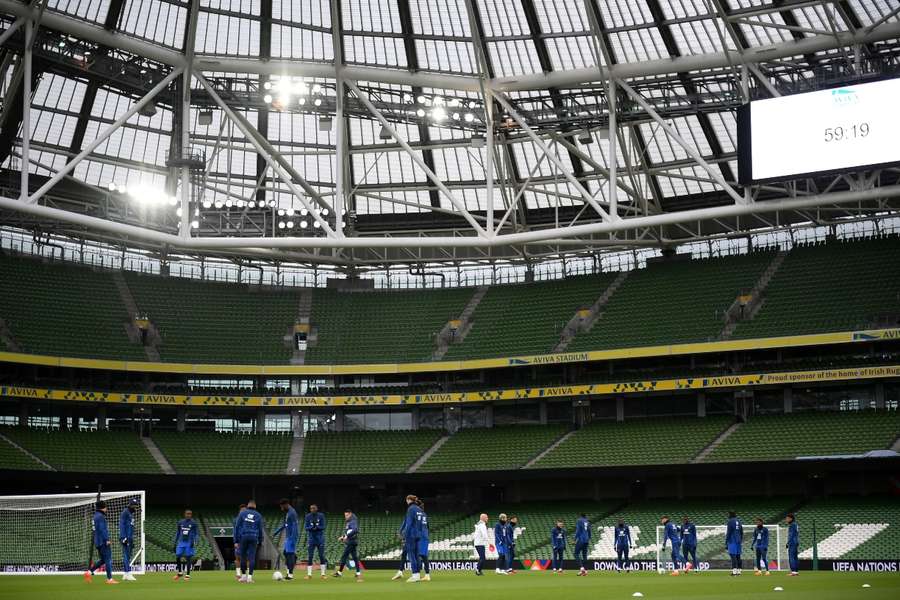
[844,96]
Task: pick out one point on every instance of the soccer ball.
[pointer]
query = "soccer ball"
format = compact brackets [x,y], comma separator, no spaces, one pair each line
[661,571]
[277,576]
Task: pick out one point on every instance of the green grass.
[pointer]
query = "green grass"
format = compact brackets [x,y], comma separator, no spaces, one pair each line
[218,585]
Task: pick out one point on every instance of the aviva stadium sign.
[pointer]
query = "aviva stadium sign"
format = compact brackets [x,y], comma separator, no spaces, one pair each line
[497,395]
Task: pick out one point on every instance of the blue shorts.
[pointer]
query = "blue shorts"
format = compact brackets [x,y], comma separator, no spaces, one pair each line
[423,547]
[184,549]
[290,546]
[734,548]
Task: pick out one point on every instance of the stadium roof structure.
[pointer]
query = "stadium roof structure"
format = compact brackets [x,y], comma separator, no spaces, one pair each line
[372,132]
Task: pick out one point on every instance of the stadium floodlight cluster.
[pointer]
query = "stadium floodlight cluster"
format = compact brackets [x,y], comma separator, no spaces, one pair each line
[58,531]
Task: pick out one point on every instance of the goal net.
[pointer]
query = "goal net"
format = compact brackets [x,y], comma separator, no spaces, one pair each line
[711,552]
[53,534]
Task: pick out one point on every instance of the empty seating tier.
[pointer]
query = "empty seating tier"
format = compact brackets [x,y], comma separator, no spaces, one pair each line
[85,451]
[365,451]
[216,322]
[377,327]
[781,437]
[492,449]
[672,302]
[526,318]
[838,286]
[64,310]
[210,453]
[635,442]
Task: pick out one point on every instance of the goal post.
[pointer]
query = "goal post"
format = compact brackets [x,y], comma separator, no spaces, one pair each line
[711,553]
[51,534]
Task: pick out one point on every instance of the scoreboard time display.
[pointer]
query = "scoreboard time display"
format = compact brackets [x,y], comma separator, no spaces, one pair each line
[847,128]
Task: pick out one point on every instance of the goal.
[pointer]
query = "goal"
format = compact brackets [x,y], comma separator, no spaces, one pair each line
[52,534]
[711,553]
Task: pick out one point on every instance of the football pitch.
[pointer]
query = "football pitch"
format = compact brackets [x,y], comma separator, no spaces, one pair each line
[528,585]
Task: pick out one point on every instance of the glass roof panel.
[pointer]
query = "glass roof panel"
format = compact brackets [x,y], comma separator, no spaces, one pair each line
[621,13]
[375,50]
[159,21]
[301,43]
[246,7]
[697,36]
[90,10]
[513,57]
[307,12]
[380,202]
[377,16]
[226,35]
[870,11]
[638,45]
[440,17]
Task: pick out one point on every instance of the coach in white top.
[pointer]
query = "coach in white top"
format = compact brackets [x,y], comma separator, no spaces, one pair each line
[481,539]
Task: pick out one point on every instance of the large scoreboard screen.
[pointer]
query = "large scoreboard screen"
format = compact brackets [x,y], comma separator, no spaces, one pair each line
[839,129]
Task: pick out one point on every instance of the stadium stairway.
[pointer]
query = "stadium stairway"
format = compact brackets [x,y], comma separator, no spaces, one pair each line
[735,315]
[295,458]
[715,443]
[579,324]
[14,456]
[549,449]
[445,338]
[304,314]
[133,310]
[427,454]
[158,456]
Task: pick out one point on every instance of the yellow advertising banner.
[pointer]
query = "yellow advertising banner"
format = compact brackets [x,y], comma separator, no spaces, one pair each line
[816,339]
[570,391]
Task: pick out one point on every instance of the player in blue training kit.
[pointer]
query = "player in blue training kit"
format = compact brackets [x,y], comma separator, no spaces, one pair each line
[734,539]
[249,536]
[793,544]
[237,558]
[558,544]
[314,524]
[126,537]
[622,537]
[688,544]
[350,538]
[102,544]
[185,539]
[424,541]
[511,524]
[760,543]
[411,535]
[291,530]
[671,535]
[500,544]
[582,540]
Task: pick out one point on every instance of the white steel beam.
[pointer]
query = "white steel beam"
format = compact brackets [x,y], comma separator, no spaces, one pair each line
[417,159]
[253,137]
[526,237]
[101,137]
[585,195]
[11,30]
[26,111]
[693,152]
[566,78]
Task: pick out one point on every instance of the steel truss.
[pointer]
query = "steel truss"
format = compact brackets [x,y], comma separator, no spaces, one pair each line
[612,207]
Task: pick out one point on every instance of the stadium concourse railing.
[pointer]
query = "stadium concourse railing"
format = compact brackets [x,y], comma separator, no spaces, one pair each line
[791,341]
[520,393]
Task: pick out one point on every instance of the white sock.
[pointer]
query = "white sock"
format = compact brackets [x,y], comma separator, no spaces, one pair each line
[323,567]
